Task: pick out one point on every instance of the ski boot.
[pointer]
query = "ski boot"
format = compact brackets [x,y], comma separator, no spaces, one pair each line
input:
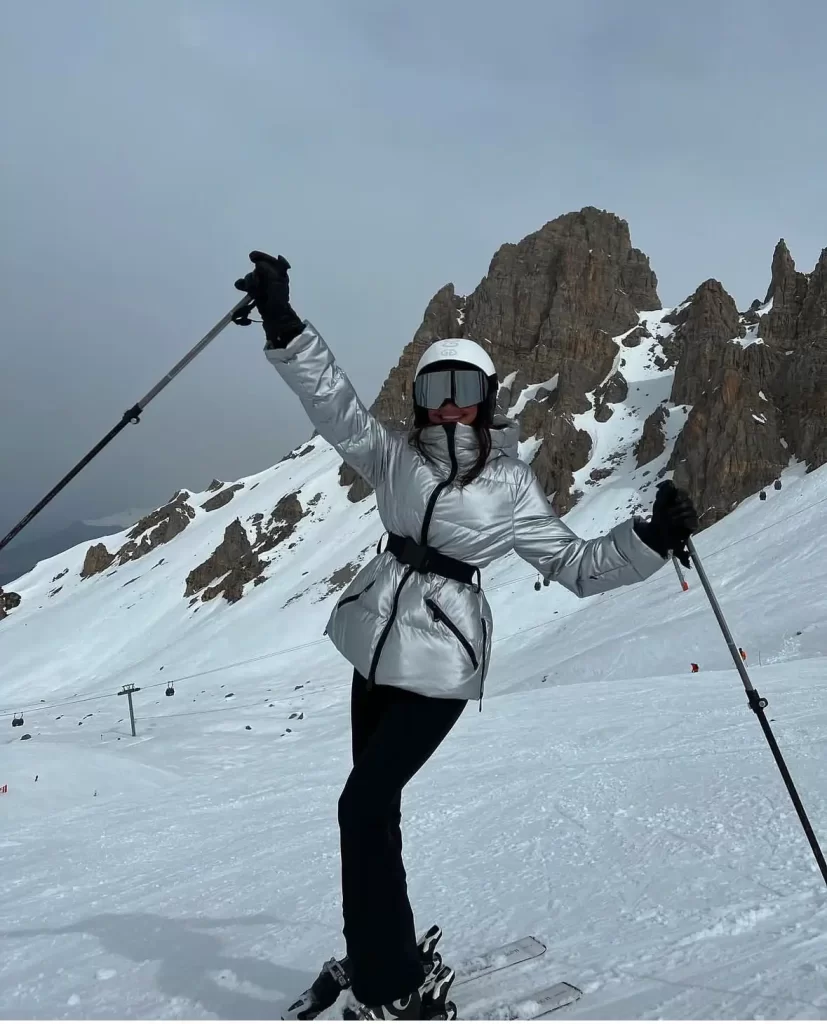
[428,1002]
[409,1008]
[335,976]
[323,993]
[435,1002]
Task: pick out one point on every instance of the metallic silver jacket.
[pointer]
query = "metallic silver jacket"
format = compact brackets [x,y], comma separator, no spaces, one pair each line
[422,632]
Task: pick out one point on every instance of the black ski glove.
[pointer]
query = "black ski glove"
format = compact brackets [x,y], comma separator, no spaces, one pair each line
[269,287]
[673,522]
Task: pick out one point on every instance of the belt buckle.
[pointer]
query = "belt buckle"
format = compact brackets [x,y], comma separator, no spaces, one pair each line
[415,555]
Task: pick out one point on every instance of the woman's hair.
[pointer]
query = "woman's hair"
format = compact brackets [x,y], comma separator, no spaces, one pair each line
[481,427]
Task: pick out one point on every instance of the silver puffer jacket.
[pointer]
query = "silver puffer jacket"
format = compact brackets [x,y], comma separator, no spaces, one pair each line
[423,632]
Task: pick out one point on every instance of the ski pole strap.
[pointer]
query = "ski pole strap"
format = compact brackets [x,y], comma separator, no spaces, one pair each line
[423,558]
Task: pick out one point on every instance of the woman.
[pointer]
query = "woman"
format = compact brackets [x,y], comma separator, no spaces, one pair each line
[414,622]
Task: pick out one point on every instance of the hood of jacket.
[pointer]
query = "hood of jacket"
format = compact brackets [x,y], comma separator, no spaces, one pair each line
[435,440]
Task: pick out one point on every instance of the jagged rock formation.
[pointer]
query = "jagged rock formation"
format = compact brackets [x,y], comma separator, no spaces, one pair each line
[757,385]
[652,441]
[300,454]
[749,388]
[8,601]
[97,560]
[548,306]
[551,304]
[233,563]
[159,527]
[281,523]
[796,328]
[613,391]
[221,499]
[237,561]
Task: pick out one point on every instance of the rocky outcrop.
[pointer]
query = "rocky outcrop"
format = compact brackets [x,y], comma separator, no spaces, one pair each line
[298,453]
[652,441]
[555,463]
[795,329]
[159,527]
[358,487]
[730,446]
[222,498]
[8,601]
[788,292]
[280,524]
[752,387]
[614,390]
[699,345]
[164,524]
[237,560]
[97,560]
[233,563]
[549,304]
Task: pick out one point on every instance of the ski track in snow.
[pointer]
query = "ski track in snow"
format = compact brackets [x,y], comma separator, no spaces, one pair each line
[625,812]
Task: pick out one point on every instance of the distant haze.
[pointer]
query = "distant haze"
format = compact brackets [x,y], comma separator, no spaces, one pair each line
[385,148]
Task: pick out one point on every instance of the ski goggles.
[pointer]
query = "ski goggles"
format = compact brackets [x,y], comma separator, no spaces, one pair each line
[464,387]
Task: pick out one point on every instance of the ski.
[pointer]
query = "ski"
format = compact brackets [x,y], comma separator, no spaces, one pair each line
[334,977]
[539,1003]
[498,958]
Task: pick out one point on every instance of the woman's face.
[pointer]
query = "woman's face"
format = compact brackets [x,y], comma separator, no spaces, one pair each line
[450,413]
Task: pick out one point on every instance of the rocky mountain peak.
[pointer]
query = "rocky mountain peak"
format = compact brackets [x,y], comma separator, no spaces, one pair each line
[609,389]
[547,308]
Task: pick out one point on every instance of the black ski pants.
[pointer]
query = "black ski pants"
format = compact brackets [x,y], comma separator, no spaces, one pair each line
[394,732]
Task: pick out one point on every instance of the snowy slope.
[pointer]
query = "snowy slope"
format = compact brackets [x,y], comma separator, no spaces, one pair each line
[634,821]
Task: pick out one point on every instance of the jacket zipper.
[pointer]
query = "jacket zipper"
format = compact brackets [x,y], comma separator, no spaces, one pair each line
[440,616]
[355,597]
[484,645]
[423,539]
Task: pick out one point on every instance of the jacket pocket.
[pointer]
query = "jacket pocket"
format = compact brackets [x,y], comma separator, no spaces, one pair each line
[440,616]
[354,597]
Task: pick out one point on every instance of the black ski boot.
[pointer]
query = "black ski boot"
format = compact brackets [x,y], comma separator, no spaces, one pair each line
[435,1002]
[409,1008]
[323,993]
[335,976]
[429,1002]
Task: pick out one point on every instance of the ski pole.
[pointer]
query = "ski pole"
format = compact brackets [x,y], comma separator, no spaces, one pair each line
[238,314]
[679,571]
[758,704]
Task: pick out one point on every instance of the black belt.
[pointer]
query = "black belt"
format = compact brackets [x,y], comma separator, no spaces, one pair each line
[423,558]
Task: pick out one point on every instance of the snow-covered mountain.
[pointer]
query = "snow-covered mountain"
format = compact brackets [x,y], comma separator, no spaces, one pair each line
[18,558]
[634,821]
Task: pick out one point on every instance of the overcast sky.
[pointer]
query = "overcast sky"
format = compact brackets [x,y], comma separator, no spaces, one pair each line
[385,148]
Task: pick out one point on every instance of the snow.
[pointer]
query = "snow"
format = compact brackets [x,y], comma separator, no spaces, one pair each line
[529,394]
[750,338]
[628,489]
[626,812]
[528,449]
[762,396]
[759,419]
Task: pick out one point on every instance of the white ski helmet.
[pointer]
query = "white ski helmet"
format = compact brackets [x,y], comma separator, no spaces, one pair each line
[457,350]
[460,350]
